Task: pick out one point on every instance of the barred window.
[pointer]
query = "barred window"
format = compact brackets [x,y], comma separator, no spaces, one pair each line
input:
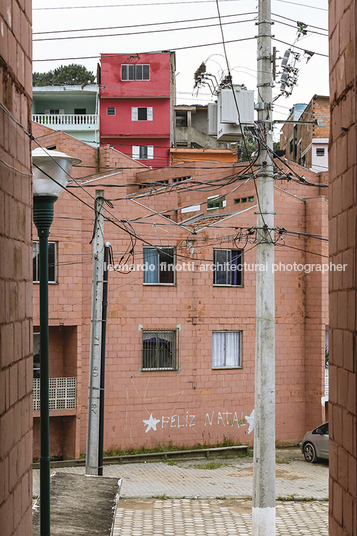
[159,350]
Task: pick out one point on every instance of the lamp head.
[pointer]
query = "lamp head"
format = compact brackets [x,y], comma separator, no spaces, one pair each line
[54,164]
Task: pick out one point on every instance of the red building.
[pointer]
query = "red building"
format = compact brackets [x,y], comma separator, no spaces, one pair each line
[136,105]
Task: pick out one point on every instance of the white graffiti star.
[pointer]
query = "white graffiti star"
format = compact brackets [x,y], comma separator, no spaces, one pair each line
[151,423]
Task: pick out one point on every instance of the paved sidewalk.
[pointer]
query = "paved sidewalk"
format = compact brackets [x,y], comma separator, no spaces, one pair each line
[187,498]
[214,517]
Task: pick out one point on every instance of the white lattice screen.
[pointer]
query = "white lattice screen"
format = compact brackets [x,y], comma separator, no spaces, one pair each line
[62,393]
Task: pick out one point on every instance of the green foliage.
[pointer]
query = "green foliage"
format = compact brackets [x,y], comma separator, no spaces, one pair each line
[209,465]
[276,146]
[247,148]
[66,75]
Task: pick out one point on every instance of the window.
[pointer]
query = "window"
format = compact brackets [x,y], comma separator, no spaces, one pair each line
[111,110]
[226,349]
[52,262]
[135,72]
[320,151]
[228,267]
[216,202]
[159,350]
[143,152]
[141,114]
[159,266]
[36,355]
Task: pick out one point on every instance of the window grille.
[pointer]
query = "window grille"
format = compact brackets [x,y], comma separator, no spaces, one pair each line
[159,350]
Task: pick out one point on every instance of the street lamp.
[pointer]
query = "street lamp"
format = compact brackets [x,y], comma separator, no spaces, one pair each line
[51,170]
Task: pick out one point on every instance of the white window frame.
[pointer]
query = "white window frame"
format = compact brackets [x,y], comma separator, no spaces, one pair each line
[130,72]
[228,260]
[111,108]
[320,151]
[36,252]
[157,354]
[137,149]
[156,257]
[223,348]
[135,113]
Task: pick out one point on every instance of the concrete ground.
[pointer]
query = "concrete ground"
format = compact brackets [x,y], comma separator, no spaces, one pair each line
[213,497]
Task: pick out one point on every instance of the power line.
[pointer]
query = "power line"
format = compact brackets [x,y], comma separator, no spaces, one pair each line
[149,51]
[143,25]
[140,32]
[302,5]
[130,5]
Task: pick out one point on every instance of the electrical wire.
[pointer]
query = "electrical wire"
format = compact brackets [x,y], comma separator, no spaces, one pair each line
[143,31]
[132,5]
[188,47]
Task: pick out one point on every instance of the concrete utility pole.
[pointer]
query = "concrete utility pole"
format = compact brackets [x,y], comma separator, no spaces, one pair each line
[264,414]
[96,337]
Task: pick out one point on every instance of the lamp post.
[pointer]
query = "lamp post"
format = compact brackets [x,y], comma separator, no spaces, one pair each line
[50,176]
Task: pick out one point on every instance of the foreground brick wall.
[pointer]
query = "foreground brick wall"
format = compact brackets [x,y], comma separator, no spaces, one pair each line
[15,272]
[343,363]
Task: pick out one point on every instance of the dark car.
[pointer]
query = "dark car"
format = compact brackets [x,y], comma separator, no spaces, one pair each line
[315,444]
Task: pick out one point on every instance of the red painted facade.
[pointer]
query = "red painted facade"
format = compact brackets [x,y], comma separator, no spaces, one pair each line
[135,105]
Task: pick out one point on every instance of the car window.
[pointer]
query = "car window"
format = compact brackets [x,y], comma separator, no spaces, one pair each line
[323,429]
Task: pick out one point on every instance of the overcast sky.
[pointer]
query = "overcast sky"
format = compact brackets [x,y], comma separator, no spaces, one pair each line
[193,41]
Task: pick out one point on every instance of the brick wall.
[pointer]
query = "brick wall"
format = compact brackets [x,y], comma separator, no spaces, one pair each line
[342,214]
[196,403]
[302,135]
[15,271]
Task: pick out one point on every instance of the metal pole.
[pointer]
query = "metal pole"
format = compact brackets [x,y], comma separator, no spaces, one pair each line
[102,361]
[96,336]
[43,216]
[264,415]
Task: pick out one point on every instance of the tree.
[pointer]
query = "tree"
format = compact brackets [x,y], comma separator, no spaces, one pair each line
[66,75]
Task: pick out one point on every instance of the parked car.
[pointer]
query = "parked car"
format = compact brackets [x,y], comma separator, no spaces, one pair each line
[315,444]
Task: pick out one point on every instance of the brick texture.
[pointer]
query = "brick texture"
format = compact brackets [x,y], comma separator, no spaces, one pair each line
[342,213]
[15,271]
[195,403]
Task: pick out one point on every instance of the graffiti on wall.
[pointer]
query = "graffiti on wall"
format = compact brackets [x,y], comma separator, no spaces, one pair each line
[214,418]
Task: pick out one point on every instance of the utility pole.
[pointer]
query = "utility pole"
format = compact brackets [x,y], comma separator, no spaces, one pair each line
[102,355]
[96,337]
[264,414]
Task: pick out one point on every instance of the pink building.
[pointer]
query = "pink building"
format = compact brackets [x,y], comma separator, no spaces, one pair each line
[181,315]
[137,96]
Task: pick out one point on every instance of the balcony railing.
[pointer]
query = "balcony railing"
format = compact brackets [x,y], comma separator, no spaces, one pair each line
[66,119]
[62,393]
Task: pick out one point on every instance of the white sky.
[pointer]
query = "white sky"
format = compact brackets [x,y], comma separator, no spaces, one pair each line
[313,76]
